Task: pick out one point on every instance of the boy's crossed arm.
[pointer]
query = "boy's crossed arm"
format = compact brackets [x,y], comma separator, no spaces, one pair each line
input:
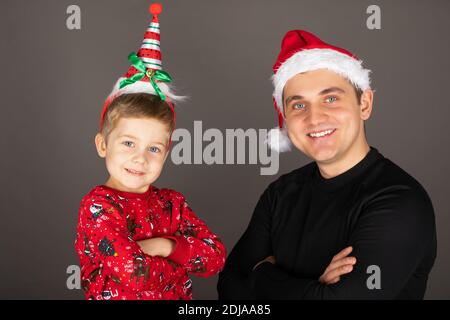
[193,246]
[119,257]
[157,247]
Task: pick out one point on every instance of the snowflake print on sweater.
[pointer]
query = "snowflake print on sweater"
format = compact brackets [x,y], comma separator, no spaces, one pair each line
[112,264]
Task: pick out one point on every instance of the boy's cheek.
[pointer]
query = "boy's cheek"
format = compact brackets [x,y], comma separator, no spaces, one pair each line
[113,163]
[117,154]
[159,165]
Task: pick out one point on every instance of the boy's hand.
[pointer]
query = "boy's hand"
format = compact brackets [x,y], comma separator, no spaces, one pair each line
[157,247]
[339,265]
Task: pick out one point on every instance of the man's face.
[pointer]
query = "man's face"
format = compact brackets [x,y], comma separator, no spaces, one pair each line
[323,115]
[135,153]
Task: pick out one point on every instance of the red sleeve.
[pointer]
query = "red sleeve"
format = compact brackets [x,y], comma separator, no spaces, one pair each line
[104,227]
[197,249]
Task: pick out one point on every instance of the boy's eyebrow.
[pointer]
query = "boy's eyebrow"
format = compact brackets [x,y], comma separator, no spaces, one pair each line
[322,93]
[160,143]
[128,136]
[133,137]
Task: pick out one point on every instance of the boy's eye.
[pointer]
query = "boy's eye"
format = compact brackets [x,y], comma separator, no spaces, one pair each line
[331,99]
[129,144]
[154,149]
[298,106]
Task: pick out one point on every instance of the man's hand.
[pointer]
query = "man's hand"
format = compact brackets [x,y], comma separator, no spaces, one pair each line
[339,265]
[270,259]
[161,247]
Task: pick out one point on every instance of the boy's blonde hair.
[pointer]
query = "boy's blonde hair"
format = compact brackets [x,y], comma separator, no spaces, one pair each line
[137,105]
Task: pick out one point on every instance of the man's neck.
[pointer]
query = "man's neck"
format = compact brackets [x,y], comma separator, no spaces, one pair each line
[331,170]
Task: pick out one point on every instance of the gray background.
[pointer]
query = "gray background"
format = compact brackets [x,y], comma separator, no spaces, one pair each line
[220,53]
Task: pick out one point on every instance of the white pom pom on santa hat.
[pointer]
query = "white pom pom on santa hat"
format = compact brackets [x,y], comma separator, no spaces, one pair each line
[302,51]
[278,140]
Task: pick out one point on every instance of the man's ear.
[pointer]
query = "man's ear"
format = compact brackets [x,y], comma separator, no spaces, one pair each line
[100,144]
[366,104]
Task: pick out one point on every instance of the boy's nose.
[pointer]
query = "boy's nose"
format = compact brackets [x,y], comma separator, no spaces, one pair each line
[139,157]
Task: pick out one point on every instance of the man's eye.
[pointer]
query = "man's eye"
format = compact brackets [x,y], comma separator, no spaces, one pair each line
[331,99]
[298,106]
[154,149]
[129,144]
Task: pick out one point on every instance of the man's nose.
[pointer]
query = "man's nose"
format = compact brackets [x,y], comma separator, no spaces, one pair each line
[316,115]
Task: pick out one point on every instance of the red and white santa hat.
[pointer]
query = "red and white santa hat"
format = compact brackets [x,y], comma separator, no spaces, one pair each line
[302,51]
[145,74]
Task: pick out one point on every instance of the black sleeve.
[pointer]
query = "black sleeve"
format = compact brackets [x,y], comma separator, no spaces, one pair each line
[254,245]
[395,231]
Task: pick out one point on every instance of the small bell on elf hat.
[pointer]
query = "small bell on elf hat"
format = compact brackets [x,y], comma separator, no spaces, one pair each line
[302,51]
[145,74]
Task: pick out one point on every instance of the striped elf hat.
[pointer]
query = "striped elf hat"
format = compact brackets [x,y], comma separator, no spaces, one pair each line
[145,74]
[302,51]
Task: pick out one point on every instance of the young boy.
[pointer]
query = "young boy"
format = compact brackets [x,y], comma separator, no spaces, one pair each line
[136,241]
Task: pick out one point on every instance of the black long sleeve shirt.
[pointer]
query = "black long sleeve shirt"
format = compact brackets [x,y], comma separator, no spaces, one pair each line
[304,220]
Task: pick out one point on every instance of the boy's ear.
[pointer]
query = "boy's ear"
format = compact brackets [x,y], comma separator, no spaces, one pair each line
[100,144]
[366,104]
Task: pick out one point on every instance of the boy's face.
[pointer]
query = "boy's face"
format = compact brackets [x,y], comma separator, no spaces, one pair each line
[135,152]
[324,104]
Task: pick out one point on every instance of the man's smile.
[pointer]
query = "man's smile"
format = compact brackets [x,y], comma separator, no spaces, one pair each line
[321,134]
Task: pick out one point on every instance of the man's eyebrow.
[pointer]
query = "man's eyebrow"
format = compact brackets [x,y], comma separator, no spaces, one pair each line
[323,92]
[332,89]
[292,98]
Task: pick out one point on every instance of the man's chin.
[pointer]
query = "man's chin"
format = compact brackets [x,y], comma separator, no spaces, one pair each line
[323,156]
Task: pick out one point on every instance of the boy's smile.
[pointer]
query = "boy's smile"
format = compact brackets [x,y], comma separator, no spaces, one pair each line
[135,152]
[134,172]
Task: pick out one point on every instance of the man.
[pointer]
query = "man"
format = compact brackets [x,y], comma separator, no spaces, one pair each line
[351,224]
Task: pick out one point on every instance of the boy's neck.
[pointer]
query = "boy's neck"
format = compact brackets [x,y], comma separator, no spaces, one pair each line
[114,184]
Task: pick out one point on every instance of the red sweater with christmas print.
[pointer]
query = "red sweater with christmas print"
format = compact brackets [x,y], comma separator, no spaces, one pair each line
[112,264]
